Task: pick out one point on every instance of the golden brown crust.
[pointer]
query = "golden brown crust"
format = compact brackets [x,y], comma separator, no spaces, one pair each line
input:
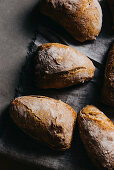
[108,89]
[97,134]
[81,18]
[59,66]
[47,120]
[111,5]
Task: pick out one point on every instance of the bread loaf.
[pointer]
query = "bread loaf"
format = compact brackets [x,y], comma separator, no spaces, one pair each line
[108,89]
[47,120]
[97,134]
[59,66]
[81,18]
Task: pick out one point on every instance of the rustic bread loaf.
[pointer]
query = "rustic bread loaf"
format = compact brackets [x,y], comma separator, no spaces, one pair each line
[45,119]
[59,66]
[81,18]
[108,89]
[97,134]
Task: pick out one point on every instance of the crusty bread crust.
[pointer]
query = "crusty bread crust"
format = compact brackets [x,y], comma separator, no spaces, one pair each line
[108,89]
[59,66]
[81,18]
[47,120]
[97,134]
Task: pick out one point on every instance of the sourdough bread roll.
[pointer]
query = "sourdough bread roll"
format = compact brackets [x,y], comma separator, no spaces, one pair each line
[58,66]
[97,134]
[108,89]
[47,120]
[81,18]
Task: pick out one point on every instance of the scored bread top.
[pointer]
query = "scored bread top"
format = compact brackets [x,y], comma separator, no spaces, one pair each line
[97,134]
[92,113]
[41,105]
[54,58]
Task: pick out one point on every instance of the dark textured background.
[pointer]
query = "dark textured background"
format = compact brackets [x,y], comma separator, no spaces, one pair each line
[19,22]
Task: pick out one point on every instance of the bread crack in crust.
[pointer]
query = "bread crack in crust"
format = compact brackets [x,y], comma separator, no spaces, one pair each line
[58,66]
[45,119]
[81,18]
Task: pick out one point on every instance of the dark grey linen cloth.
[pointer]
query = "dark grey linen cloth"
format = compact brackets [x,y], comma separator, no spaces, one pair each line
[13,141]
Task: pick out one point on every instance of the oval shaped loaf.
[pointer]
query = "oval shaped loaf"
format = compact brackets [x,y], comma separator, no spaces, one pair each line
[81,18]
[97,134]
[47,120]
[59,66]
[108,88]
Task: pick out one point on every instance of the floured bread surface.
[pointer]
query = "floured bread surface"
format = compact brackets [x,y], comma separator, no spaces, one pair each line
[45,119]
[81,18]
[97,134]
[59,66]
